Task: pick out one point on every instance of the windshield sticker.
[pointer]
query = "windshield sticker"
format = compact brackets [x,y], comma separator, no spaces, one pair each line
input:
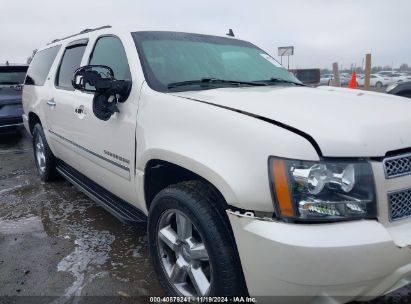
[271,60]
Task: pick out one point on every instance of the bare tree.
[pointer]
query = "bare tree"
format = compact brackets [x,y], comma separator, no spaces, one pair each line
[404,67]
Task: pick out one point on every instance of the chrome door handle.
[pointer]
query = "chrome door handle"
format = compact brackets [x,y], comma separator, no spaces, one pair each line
[51,103]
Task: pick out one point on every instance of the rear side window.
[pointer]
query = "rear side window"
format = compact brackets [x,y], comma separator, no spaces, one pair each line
[40,66]
[109,51]
[69,63]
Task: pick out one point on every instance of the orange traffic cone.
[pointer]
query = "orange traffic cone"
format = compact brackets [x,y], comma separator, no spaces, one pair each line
[353,82]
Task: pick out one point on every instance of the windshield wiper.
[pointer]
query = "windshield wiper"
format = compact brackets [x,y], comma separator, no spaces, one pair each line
[208,81]
[280,80]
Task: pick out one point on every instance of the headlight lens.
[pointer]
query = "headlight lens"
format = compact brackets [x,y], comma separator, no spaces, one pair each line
[322,191]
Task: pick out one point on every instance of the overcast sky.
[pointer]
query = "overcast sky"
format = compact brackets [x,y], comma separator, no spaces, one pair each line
[322,31]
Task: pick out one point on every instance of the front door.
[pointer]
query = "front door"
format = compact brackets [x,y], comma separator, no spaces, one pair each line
[106,149]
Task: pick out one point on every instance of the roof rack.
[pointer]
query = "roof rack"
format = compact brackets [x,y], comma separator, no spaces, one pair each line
[82,32]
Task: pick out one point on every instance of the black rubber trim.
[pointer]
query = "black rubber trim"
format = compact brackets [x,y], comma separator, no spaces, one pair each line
[124,211]
[11,121]
[271,121]
[79,42]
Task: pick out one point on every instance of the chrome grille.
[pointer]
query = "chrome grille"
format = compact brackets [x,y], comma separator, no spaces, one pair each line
[400,204]
[397,166]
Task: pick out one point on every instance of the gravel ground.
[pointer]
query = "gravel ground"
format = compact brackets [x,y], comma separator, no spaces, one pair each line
[56,243]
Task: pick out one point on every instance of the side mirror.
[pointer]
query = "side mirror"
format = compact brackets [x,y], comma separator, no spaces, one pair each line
[92,78]
[100,80]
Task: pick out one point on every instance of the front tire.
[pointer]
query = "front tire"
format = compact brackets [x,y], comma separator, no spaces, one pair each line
[43,157]
[192,248]
[378,85]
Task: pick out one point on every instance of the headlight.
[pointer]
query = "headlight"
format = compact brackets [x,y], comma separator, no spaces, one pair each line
[322,191]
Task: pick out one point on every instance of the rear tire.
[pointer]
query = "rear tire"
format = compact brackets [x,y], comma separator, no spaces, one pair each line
[378,84]
[181,270]
[43,157]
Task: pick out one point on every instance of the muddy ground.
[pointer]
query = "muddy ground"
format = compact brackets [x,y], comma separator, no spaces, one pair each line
[56,244]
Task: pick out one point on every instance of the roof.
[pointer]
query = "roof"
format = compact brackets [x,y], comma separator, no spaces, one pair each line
[121,30]
[85,31]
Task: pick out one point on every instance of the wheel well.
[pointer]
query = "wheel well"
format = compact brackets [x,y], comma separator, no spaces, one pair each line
[159,174]
[405,94]
[33,120]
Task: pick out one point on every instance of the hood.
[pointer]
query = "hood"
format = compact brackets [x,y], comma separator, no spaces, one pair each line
[10,95]
[343,122]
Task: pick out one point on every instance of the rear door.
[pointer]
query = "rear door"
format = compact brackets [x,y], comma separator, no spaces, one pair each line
[64,101]
[106,149]
[38,87]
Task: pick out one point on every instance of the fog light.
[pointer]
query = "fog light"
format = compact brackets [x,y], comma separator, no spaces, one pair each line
[317,209]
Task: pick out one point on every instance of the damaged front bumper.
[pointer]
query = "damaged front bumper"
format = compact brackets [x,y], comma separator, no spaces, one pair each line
[338,262]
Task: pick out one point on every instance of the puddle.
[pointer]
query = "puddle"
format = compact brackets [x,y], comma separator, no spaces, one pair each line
[5,191]
[87,250]
[92,249]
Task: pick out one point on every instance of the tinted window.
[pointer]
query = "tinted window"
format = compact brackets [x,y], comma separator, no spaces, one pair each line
[70,62]
[169,57]
[109,51]
[40,66]
[12,74]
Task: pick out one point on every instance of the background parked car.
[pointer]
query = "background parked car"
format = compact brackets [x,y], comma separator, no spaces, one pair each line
[400,89]
[11,80]
[344,79]
[399,77]
[386,73]
[326,79]
[376,80]
[405,77]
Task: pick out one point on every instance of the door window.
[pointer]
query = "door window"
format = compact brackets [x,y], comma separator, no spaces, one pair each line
[109,51]
[70,62]
[40,66]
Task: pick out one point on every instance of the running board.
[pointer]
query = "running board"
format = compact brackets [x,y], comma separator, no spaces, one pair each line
[124,211]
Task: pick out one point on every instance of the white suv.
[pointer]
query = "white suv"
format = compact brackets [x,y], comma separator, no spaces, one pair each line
[252,183]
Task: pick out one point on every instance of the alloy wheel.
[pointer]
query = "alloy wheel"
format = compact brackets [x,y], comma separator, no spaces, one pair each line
[40,154]
[183,254]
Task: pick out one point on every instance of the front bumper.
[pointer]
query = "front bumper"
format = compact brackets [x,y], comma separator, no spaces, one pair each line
[11,115]
[337,261]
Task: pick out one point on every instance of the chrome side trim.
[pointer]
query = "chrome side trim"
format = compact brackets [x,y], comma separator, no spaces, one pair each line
[90,152]
[250,214]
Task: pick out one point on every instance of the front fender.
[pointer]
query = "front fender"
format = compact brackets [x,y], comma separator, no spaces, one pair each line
[227,148]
